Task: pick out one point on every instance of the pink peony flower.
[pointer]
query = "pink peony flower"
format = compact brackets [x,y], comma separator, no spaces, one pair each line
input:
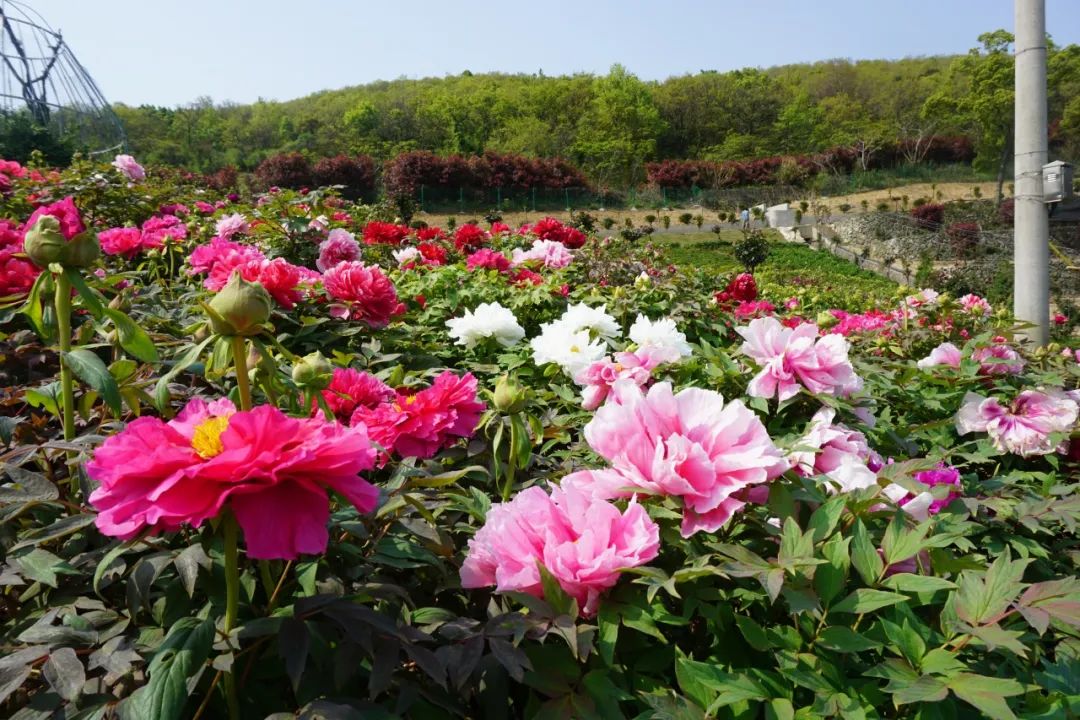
[793,356]
[942,475]
[367,293]
[872,321]
[229,225]
[944,354]
[421,424]
[582,541]
[205,258]
[1024,426]
[753,308]
[157,230]
[549,253]
[825,447]
[690,445]
[71,223]
[975,305]
[350,389]
[131,169]
[17,274]
[339,246]
[488,259]
[637,367]
[271,470]
[204,207]
[998,359]
[126,241]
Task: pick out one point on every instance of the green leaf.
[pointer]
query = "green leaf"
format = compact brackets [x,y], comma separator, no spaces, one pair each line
[91,300]
[132,338]
[554,594]
[843,639]
[829,579]
[987,694]
[42,566]
[754,633]
[306,573]
[908,582]
[65,673]
[26,486]
[709,686]
[91,370]
[926,689]
[823,521]
[61,528]
[108,563]
[186,360]
[608,633]
[180,656]
[293,643]
[981,597]
[46,397]
[905,639]
[864,556]
[866,600]
[33,308]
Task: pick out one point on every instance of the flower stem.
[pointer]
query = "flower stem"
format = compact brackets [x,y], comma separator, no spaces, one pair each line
[239,353]
[232,602]
[63,323]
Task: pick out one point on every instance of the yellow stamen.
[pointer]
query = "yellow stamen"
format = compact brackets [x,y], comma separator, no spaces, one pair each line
[207,438]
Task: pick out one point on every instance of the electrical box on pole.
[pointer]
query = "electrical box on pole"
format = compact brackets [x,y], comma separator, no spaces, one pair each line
[1057,181]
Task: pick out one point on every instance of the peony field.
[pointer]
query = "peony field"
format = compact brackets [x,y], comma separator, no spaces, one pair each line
[284,454]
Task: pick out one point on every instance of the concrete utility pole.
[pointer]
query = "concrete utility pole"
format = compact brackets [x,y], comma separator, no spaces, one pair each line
[1031,291]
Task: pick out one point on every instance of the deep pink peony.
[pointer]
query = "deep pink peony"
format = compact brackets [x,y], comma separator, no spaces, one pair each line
[205,258]
[582,541]
[790,357]
[998,359]
[350,389]
[366,292]
[71,223]
[17,274]
[872,321]
[944,354]
[339,246]
[942,475]
[421,424]
[157,230]
[271,470]
[488,259]
[691,445]
[1025,425]
[11,236]
[126,241]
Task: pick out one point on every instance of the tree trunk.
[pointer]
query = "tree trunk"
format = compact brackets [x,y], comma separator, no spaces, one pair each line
[1006,150]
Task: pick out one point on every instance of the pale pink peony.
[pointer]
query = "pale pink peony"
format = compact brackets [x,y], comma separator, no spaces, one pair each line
[790,357]
[131,169]
[271,470]
[229,225]
[549,253]
[691,445]
[126,241]
[339,246]
[944,354]
[1025,425]
[584,542]
[826,445]
[975,305]
[998,359]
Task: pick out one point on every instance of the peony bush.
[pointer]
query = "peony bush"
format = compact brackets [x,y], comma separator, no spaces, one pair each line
[286,456]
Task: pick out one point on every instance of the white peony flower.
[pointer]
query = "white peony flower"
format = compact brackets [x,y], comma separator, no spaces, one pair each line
[582,317]
[489,320]
[404,255]
[570,349]
[660,334]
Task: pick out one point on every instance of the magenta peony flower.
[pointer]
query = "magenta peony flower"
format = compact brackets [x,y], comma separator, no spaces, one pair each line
[17,274]
[488,259]
[944,354]
[339,246]
[157,230]
[126,241]
[131,169]
[367,293]
[1024,426]
[205,258]
[271,470]
[690,445]
[350,389]
[998,359]
[421,424]
[942,475]
[790,357]
[582,541]
[229,225]
[71,223]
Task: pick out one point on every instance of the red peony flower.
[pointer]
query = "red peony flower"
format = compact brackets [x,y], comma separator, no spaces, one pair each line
[433,253]
[430,233]
[383,233]
[524,276]
[743,288]
[368,294]
[17,274]
[469,237]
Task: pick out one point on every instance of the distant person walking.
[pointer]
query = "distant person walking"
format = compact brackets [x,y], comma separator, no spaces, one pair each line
[745,217]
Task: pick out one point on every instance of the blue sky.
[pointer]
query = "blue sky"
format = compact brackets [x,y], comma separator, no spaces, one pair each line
[170,52]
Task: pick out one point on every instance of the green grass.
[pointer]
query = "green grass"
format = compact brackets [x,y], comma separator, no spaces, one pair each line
[880,179]
[792,269]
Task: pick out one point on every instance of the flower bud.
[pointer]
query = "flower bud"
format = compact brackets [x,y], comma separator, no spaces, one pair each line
[240,308]
[44,243]
[825,319]
[510,397]
[313,372]
[81,251]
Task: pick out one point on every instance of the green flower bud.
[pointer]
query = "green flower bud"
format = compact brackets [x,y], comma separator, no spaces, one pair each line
[44,242]
[240,308]
[510,397]
[313,372]
[82,250]
[825,319]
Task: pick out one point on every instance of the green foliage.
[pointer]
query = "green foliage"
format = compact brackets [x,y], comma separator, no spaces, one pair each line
[752,249]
